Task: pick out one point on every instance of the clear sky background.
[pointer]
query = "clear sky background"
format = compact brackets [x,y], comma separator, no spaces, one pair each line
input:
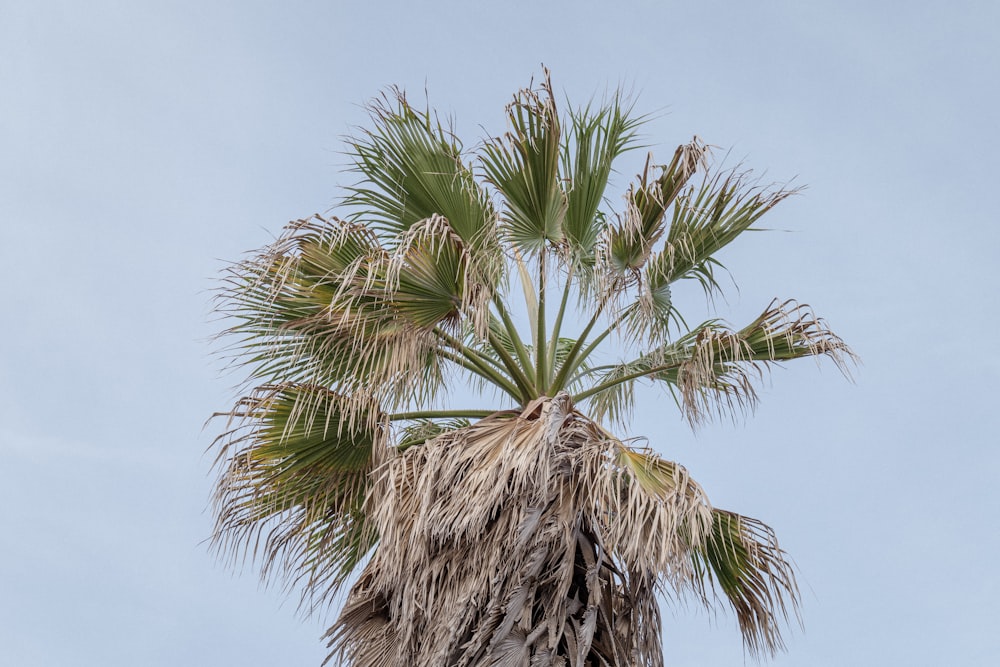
[143,144]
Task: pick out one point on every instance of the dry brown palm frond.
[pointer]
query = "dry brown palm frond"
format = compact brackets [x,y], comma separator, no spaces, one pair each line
[522,538]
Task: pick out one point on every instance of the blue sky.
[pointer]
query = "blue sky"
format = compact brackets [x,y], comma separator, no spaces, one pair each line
[143,144]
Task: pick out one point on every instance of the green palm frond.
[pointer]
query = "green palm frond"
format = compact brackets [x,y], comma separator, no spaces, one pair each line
[742,558]
[313,309]
[705,220]
[723,365]
[597,138]
[294,478]
[713,368]
[433,279]
[631,241]
[328,305]
[524,167]
[411,168]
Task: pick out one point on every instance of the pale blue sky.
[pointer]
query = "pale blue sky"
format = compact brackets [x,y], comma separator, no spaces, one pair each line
[143,143]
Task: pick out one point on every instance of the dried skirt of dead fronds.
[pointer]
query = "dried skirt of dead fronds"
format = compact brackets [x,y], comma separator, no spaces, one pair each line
[524,539]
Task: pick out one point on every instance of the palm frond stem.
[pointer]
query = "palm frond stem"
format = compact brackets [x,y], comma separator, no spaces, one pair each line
[511,329]
[439,414]
[470,353]
[541,367]
[587,372]
[597,341]
[527,389]
[576,358]
[570,364]
[557,328]
[623,379]
[487,373]
[487,367]
[528,289]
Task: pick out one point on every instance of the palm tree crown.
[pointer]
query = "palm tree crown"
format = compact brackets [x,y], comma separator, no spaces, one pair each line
[504,523]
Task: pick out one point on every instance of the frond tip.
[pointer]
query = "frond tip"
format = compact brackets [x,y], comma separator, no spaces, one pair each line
[714,369]
[722,366]
[741,557]
[294,477]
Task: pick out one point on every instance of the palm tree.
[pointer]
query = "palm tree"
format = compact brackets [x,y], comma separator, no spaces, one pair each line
[467,479]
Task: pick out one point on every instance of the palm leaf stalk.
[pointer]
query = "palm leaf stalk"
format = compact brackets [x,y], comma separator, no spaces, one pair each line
[399,431]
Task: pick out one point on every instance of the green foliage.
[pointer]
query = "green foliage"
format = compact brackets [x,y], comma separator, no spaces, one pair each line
[387,335]
[524,168]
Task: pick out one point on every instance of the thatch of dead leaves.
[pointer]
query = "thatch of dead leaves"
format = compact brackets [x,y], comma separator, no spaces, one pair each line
[535,539]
